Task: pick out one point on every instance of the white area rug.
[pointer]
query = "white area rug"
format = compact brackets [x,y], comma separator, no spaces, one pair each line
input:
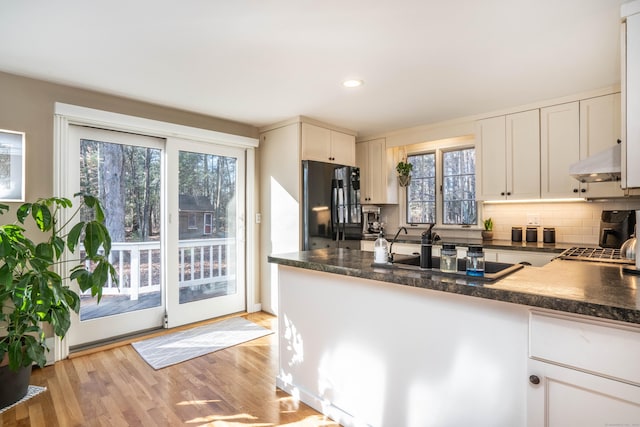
[167,350]
[33,391]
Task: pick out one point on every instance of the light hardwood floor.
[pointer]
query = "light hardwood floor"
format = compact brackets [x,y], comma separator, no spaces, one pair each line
[115,387]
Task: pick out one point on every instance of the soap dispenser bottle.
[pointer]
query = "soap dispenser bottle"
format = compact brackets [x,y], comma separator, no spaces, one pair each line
[381,249]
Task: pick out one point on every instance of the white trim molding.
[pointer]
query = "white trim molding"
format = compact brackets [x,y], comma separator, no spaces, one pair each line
[66,114]
[116,121]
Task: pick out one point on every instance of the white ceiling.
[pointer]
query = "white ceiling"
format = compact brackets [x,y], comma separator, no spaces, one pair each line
[263,61]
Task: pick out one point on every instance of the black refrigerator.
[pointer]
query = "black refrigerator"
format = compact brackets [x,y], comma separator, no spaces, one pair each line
[331,211]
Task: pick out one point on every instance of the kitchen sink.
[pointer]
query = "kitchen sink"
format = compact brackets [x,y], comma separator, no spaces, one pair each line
[492,270]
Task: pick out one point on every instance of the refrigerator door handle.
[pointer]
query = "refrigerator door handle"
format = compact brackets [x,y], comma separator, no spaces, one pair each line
[341,214]
[335,227]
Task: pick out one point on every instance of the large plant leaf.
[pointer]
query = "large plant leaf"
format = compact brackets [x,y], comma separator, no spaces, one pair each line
[74,236]
[82,276]
[106,243]
[94,204]
[6,249]
[42,216]
[58,246]
[6,278]
[23,212]
[73,300]
[15,355]
[93,238]
[44,251]
[60,320]
[34,350]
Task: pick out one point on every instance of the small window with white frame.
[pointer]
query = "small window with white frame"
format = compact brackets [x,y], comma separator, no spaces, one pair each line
[459,205]
[192,225]
[421,193]
[450,168]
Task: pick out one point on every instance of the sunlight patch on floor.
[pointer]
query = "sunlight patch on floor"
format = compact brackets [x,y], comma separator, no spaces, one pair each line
[197,402]
[231,420]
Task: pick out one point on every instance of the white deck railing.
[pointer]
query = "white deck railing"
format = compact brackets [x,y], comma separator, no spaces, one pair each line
[200,261]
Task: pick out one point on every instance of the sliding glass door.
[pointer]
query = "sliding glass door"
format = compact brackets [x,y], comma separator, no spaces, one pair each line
[206,231]
[125,172]
[175,212]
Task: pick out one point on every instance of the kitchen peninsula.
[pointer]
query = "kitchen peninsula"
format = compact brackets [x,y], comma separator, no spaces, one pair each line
[376,346]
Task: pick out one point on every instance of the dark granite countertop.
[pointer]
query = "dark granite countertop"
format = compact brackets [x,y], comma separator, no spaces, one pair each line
[588,288]
[487,244]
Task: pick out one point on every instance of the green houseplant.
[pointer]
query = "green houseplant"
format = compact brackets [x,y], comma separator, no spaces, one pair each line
[33,289]
[487,233]
[404,173]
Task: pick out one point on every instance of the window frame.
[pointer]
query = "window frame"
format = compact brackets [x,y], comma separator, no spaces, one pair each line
[192,221]
[439,147]
[441,173]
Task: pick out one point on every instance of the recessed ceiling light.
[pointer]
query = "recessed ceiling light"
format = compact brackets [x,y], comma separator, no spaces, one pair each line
[352,83]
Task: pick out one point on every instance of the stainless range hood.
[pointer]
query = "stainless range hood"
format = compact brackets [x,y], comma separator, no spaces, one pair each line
[600,167]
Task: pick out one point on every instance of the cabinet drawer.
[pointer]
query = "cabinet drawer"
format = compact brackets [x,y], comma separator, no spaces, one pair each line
[601,348]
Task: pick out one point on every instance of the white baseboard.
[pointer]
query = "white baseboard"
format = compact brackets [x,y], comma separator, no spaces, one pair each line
[325,408]
[254,308]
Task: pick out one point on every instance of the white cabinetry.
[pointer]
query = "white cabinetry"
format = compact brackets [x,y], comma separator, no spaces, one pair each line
[377,179]
[631,94]
[328,145]
[536,259]
[582,372]
[280,156]
[599,130]
[559,148]
[509,156]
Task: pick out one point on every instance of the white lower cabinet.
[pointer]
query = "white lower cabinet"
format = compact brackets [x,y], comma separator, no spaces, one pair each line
[565,397]
[582,372]
[536,259]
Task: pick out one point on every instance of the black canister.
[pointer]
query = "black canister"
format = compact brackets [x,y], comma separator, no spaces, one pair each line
[426,261]
[532,234]
[516,234]
[549,235]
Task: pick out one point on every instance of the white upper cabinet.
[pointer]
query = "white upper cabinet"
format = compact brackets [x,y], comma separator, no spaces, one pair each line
[523,155]
[509,156]
[378,183]
[491,158]
[559,148]
[328,145]
[572,132]
[600,129]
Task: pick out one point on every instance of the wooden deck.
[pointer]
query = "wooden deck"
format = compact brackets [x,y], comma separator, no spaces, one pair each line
[116,304]
[115,387]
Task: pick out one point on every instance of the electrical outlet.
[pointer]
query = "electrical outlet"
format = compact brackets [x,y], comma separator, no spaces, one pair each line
[533,219]
[258,218]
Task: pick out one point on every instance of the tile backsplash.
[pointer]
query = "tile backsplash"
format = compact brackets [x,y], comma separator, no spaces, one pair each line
[574,222]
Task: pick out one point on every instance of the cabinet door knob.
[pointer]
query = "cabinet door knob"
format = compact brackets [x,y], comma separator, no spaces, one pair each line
[508,193]
[502,194]
[575,190]
[534,379]
[584,190]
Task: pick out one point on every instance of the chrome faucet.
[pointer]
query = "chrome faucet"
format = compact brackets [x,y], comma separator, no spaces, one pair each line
[394,240]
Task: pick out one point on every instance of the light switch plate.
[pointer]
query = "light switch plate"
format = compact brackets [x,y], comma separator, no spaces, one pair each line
[533,219]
